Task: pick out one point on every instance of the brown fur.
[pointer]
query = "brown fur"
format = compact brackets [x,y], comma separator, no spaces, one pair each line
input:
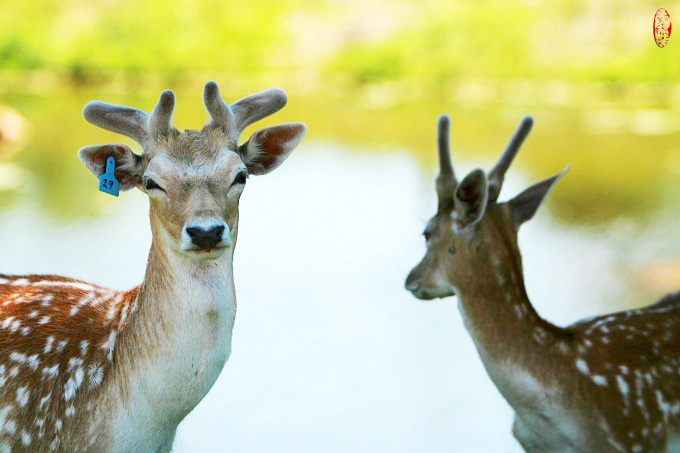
[44,420]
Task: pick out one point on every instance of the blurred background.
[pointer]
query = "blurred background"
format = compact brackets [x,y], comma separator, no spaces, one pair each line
[329,351]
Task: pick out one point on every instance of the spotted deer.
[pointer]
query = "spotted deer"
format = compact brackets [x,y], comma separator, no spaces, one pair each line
[85,368]
[609,383]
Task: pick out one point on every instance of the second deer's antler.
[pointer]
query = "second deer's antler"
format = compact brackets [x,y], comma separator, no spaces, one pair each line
[498,172]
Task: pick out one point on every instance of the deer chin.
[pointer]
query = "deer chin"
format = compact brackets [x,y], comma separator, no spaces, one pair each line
[432,293]
[203,254]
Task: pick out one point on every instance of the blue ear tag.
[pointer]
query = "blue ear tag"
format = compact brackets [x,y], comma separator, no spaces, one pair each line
[107,181]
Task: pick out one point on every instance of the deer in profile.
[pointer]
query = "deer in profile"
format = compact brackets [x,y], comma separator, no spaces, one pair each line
[84,368]
[609,383]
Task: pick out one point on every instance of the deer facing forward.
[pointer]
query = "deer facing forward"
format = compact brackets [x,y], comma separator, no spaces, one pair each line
[610,383]
[84,368]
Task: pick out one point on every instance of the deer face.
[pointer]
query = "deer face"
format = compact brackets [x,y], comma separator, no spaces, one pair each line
[194,196]
[471,233]
[194,179]
[429,279]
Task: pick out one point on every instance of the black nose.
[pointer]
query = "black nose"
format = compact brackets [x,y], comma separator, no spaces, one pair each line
[205,239]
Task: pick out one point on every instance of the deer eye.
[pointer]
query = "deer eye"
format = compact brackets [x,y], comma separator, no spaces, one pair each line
[150,184]
[240,178]
[427,235]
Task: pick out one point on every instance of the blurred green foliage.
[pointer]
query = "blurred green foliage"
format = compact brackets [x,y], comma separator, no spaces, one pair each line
[366,75]
[431,40]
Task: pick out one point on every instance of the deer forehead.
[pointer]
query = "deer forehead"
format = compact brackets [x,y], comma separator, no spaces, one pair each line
[221,166]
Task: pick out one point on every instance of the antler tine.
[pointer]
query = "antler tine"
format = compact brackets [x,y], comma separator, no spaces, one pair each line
[158,123]
[122,120]
[446,181]
[257,106]
[134,123]
[220,113]
[498,173]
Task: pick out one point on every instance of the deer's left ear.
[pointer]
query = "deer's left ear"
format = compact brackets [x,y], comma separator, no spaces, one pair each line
[269,147]
[525,205]
[470,198]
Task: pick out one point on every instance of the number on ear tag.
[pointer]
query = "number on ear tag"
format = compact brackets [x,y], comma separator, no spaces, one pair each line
[107,181]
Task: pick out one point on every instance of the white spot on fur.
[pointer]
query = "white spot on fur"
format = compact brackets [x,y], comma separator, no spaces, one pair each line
[57,425]
[44,320]
[623,386]
[20,282]
[70,411]
[83,347]
[33,361]
[69,389]
[44,400]
[51,371]
[22,396]
[111,312]
[25,438]
[48,345]
[600,380]
[124,313]
[582,366]
[110,343]
[79,374]
[33,314]
[18,357]
[74,362]
[62,344]
[4,412]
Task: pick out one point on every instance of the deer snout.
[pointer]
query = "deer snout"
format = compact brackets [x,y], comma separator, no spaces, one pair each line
[412,282]
[420,283]
[206,237]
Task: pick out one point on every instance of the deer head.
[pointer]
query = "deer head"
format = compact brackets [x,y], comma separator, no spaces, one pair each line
[471,232]
[194,179]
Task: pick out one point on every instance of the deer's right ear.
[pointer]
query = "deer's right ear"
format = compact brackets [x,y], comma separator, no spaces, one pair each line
[470,198]
[525,205]
[269,147]
[129,166]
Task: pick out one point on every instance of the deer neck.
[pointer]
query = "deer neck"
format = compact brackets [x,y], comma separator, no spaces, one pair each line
[178,337]
[520,350]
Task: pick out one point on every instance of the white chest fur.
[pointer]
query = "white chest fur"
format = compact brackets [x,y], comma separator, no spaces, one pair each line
[194,334]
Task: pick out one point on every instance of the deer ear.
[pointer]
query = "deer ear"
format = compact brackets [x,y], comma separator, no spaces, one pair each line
[524,206]
[470,198]
[269,147]
[129,166]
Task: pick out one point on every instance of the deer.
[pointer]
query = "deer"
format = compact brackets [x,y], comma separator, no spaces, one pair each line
[608,383]
[86,368]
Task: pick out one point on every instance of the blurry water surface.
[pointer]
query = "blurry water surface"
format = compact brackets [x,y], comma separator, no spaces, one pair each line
[330,353]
